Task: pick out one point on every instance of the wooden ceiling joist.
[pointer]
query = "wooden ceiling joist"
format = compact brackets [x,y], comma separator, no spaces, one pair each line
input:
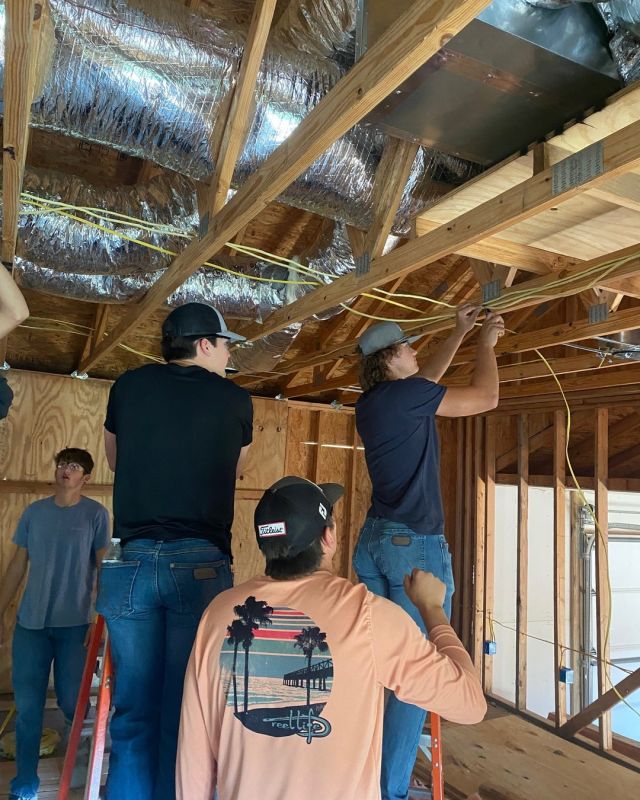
[242,104]
[24,27]
[621,153]
[415,37]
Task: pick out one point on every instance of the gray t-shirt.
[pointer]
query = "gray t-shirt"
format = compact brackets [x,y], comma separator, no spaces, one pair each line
[61,543]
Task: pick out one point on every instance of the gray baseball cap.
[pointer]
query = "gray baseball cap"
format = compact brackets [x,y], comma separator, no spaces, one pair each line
[381,335]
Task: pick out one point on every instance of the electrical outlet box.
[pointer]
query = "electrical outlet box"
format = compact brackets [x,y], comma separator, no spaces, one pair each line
[566,675]
[490,648]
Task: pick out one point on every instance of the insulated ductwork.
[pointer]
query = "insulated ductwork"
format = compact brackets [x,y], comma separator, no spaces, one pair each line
[153,79]
[70,245]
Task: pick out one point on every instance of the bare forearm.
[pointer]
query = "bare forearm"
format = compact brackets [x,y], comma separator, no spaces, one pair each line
[485,373]
[13,307]
[438,362]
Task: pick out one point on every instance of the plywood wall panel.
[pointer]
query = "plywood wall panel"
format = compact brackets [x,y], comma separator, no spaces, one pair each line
[266,460]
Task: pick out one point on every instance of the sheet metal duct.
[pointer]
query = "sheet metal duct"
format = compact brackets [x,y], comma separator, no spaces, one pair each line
[517,72]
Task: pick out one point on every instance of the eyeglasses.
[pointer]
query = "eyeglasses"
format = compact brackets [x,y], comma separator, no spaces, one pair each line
[71,465]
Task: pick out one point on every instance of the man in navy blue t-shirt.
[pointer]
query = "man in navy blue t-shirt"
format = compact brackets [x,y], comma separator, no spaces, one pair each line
[395,417]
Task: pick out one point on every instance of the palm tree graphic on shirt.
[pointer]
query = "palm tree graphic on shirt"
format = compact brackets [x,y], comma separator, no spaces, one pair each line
[252,614]
[309,640]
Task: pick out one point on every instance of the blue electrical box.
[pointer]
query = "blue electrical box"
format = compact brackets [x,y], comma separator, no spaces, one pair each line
[490,648]
[566,675]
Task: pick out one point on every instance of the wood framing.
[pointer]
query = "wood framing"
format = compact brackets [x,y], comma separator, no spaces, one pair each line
[480,542]
[23,30]
[242,104]
[605,702]
[407,44]
[621,153]
[559,562]
[603,579]
[522,562]
[490,533]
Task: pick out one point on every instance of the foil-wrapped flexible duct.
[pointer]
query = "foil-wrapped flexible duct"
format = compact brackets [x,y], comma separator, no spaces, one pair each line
[623,20]
[320,27]
[239,298]
[153,79]
[63,243]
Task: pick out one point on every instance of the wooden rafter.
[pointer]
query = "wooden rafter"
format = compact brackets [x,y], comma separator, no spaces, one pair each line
[408,43]
[242,105]
[23,30]
[605,702]
[621,153]
[507,253]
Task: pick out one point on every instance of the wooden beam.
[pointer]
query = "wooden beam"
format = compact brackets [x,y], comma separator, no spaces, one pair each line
[563,333]
[242,104]
[458,545]
[538,369]
[605,702]
[490,533]
[352,528]
[390,179]
[621,153]
[603,580]
[23,20]
[623,427]
[559,561]
[409,42]
[625,455]
[522,562]
[585,482]
[99,328]
[468,537]
[516,343]
[623,375]
[479,545]
[510,254]
[543,438]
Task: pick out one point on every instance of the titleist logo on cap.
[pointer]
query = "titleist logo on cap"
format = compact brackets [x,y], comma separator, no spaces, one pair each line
[272,529]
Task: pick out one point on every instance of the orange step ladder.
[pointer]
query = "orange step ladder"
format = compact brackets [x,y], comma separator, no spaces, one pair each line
[92,786]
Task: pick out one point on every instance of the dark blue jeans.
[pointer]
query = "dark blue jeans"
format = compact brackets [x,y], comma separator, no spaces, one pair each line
[153,601]
[387,551]
[33,652]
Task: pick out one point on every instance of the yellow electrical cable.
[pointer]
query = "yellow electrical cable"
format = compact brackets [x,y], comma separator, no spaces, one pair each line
[165,251]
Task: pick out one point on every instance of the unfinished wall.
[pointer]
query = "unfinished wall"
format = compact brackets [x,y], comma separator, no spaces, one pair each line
[51,412]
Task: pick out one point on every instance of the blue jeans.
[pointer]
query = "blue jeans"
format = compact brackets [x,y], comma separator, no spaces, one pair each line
[153,601]
[33,652]
[387,551]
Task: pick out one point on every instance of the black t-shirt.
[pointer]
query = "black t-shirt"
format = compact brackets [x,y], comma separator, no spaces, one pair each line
[6,397]
[396,422]
[179,432]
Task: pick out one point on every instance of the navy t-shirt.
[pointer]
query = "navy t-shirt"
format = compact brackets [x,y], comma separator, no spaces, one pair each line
[178,431]
[396,422]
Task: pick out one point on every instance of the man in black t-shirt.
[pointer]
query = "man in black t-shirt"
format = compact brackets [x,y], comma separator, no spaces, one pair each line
[177,436]
[404,529]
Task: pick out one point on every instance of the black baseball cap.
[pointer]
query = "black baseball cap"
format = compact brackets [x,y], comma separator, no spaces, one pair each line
[197,319]
[295,510]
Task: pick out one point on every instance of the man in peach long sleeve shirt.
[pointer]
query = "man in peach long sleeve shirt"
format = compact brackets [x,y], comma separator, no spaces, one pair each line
[284,693]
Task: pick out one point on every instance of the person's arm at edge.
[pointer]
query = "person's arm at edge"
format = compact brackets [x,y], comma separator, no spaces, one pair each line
[13,306]
[196,766]
[438,362]
[483,392]
[111,449]
[11,581]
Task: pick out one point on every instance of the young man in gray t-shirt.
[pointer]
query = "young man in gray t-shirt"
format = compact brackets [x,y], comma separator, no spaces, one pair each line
[61,540]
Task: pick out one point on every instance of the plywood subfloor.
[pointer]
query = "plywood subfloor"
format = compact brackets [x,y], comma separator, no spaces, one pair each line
[506,757]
